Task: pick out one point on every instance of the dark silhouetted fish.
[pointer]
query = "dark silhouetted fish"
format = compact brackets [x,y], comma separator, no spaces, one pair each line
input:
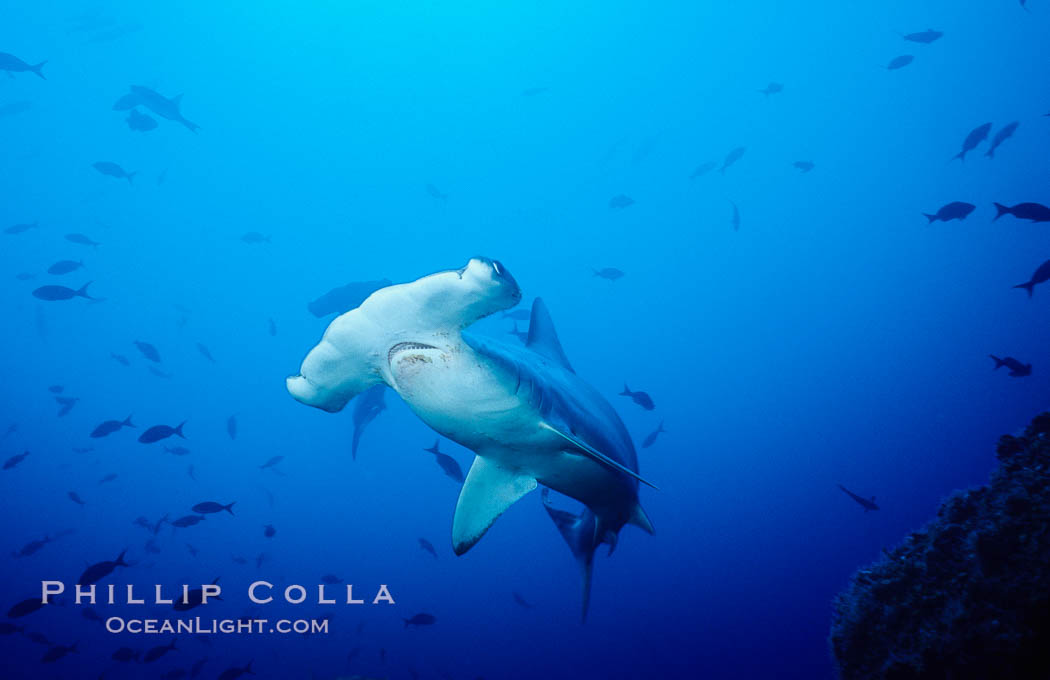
[32,547]
[38,638]
[368,405]
[20,228]
[899,62]
[65,267]
[125,654]
[236,672]
[731,158]
[99,571]
[197,667]
[148,351]
[640,398]
[533,91]
[421,619]
[25,607]
[609,273]
[272,328]
[344,298]
[956,210]
[272,462]
[108,478]
[14,108]
[159,432]
[205,352]
[67,404]
[269,531]
[56,389]
[194,598]
[177,450]
[111,169]
[620,201]
[73,496]
[12,64]
[162,106]
[866,503]
[925,37]
[208,507]
[650,439]
[331,579]
[447,463]
[82,239]
[159,373]
[188,521]
[1004,133]
[140,122]
[428,546]
[15,460]
[91,615]
[7,628]
[189,471]
[120,359]
[174,674]
[157,652]
[975,137]
[126,102]
[736,216]
[56,293]
[518,333]
[1017,369]
[1033,212]
[231,426]
[772,88]
[193,551]
[25,276]
[57,652]
[108,427]
[804,166]
[254,237]
[521,600]
[703,169]
[436,193]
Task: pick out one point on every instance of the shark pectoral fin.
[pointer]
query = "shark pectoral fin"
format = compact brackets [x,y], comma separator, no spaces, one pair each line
[597,455]
[487,492]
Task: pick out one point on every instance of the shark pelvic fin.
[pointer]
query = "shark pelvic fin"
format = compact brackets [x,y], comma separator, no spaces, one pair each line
[543,339]
[487,492]
[597,455]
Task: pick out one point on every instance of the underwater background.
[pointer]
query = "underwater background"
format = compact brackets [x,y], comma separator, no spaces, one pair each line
[797,326]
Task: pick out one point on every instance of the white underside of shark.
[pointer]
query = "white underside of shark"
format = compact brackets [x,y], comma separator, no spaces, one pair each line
[522,409]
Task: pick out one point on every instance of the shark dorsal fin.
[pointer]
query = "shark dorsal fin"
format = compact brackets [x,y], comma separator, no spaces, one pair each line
[543,339]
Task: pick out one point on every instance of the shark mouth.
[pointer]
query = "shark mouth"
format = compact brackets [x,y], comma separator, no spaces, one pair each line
[405,347]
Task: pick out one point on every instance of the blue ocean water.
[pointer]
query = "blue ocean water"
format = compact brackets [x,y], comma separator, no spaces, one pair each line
[834,337]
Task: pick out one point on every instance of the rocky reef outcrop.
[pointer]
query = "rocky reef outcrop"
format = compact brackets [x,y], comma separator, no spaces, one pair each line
[968,595]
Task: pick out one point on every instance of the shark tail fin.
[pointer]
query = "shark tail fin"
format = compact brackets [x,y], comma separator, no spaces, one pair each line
[580,533]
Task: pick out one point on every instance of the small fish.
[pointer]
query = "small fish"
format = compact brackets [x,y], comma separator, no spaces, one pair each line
[772,88]
[111,169]
[32,547]
[174,674]
[57,652]
[12,64]
[521,600]
[188,521]
[975,137]
[731,158]
[56,389]
[56,293]
[436,193]
[866,503]
[209,507]
[73,496]
[259,559]
[15,460]
[272,328]
[167,109]
[533,91]
[925,37]
[236,672]
[900,62]
[125,654]
[428,546]
[1042,274]
[151,547]
[1034,212]
[519,334]
[254,237]
[157,652]
[25,276]
[21,228]
[205,352]
[1017,369]
[956,210]
[804,166]
[99,571]
[159,373]
[148,351]
[10,628]
[703,169]
[620,201]
[272,462]
[193,551]
[197,667]
[140,122]
[108,478]
[38,638]
[367,407]
[82,239]
[65,267]
[422,619]
[91,615]
[177,450]
[25,607]
[231,427]
[331,579]
[608,273]
[159,432]
[67,404]
[108,427]
[120,359]
[447,463]
[736,216]
[1004,133]
[650,439]
[189,471]
[269,531]
[640,398]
